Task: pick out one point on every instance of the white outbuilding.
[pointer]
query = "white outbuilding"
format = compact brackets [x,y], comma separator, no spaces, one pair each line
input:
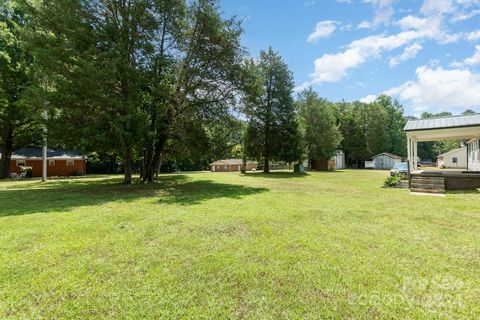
[453,159]
[384,161]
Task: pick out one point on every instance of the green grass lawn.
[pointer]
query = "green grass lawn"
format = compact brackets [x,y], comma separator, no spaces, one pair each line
[221,245]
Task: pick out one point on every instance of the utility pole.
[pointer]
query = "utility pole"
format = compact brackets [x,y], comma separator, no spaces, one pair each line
[45,131]
[44,151]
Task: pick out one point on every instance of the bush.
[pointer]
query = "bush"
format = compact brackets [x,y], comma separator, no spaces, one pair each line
[392,181]
[26,171]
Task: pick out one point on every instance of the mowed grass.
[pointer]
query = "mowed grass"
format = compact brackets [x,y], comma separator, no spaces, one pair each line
[223,245]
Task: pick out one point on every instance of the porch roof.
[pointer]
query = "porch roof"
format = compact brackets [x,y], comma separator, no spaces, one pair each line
[445,128]
[443,123]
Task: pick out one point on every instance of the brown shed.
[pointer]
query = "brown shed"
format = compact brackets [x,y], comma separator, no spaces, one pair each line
[231,165]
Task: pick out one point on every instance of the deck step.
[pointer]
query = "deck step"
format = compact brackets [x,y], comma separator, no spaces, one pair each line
[421,190]
[434,179]
[427,184]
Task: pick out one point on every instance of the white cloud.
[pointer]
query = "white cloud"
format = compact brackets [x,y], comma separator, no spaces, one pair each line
[475,59]
[380,3]
[437,7]
[383,16]
[473,36]
[368,99]
[415,30]
[323,29]
[437,89]
[462,16]
[333,67]
[430,27]
[410,52]
[364,25]
[460,9]
[309,3]
[383,13]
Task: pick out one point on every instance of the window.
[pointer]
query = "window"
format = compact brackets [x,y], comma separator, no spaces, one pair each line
[21,163]
[51,162]
[70,163]
[455,160]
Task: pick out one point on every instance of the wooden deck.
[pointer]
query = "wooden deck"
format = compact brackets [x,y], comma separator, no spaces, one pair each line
[439,181]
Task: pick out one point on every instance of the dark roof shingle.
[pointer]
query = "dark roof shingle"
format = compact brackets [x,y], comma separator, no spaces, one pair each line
[36,152]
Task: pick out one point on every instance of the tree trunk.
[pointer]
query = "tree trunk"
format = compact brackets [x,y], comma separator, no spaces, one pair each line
[127,178]
[159,168]
[244,165]
[7,150]
[266,166]
[148,165]
[153,162]
[5,164]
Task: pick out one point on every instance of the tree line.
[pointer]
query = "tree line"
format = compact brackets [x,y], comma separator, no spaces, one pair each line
[145,83]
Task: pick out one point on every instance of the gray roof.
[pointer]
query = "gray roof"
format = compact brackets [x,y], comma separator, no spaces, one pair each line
[443,123]
[390,155]
[36,152]
[462,149]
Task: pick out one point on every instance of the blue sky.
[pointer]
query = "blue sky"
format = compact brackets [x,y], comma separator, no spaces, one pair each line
[425,53]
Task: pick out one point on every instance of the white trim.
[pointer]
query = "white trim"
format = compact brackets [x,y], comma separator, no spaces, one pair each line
[21,160]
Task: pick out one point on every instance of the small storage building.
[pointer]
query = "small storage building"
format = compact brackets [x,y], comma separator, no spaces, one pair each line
[336,162]
[453,159]
[385,161]
[339,158]
[231,165]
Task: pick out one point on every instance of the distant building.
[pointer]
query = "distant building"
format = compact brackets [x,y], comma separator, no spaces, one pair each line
[336,162]
[383,161]
[339,158]
[231,165]
[453,159]
[61,162]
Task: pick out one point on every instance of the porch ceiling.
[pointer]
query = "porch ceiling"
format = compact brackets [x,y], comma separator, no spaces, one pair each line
[445,134]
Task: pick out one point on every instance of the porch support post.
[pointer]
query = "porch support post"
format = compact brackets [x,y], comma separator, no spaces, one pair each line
[415,154]
[409,153]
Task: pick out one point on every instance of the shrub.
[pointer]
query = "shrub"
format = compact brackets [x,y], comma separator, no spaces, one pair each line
[26,171]
[392,181]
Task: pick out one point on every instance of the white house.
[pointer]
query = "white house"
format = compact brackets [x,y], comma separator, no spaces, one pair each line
[453,159]
[383,160]
[464,127]
[473,156]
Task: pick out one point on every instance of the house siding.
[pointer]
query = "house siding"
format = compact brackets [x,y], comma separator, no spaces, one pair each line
[231,167]
[60,167]
[446,161]
[473,155]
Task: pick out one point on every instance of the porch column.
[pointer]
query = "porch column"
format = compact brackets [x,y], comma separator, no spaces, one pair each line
[409,153]
[415,154]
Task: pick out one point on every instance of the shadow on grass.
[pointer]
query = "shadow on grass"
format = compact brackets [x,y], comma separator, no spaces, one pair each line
[277,175]
[64,195]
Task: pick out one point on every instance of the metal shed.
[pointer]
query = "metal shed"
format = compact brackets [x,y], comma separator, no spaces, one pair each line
[385,160]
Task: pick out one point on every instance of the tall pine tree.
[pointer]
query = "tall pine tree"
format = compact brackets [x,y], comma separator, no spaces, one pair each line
[321,133]
[273,130]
